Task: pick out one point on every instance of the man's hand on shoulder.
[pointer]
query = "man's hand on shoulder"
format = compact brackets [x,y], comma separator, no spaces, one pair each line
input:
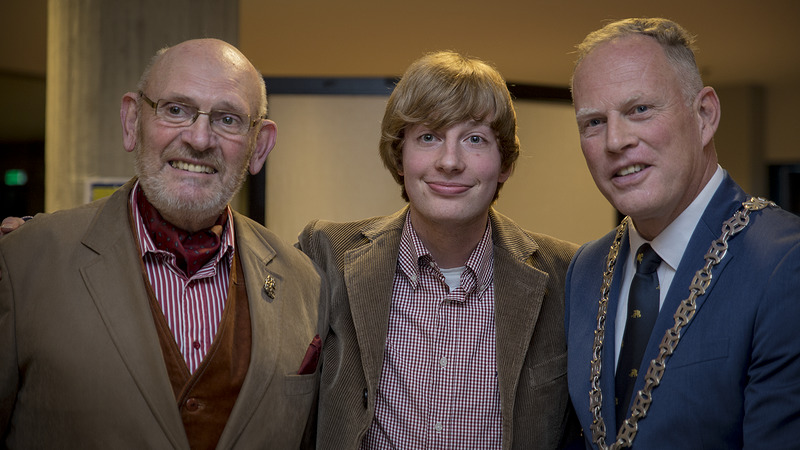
[10,224]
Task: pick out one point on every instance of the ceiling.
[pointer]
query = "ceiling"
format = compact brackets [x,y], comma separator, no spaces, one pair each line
[741,41]
[530,41]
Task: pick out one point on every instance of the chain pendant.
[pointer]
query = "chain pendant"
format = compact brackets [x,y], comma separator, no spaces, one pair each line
[684,314]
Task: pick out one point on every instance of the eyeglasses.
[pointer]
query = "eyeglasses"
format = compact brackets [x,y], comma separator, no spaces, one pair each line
[182,115]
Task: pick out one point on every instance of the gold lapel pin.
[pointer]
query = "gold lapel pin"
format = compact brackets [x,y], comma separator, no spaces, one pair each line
[269,286]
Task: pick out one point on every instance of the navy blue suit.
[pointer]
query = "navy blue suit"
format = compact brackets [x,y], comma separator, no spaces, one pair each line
[734,379]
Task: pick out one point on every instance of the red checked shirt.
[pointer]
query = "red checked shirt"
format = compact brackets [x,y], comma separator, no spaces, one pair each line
[192,306]
[438,387]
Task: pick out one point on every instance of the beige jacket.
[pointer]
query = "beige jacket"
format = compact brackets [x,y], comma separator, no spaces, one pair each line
[80,361]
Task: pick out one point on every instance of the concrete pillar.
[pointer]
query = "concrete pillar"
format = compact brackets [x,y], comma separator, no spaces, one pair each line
[96,51]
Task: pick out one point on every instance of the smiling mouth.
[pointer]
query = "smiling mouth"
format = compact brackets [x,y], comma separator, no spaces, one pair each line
[636,168]
[195,168]
[447,188]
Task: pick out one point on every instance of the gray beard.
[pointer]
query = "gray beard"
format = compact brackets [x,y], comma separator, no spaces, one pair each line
[189,215]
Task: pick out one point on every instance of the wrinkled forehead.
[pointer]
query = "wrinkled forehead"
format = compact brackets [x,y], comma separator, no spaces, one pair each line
[218,78]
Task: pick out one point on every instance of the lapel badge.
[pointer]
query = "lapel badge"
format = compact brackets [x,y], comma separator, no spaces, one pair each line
[269,286]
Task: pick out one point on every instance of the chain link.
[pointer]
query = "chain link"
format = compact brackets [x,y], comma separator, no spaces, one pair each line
[672,336]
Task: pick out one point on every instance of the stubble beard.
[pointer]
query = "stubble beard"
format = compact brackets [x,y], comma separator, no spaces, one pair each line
[187,212]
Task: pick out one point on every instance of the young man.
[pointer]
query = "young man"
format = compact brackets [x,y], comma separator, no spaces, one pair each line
[446,322]
[692,341]
[158,317]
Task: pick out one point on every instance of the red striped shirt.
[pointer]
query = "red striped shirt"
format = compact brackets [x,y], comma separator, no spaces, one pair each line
[439,387]
[192,306]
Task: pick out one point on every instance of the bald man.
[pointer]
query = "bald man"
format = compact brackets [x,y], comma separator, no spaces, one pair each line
[159,317]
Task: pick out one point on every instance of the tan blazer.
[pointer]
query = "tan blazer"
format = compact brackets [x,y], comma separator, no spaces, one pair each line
[360,258]
[80,362]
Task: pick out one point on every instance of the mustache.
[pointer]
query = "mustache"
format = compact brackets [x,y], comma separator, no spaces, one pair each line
[206,157]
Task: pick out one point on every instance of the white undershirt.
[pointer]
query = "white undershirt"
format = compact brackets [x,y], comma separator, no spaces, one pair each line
[453,276]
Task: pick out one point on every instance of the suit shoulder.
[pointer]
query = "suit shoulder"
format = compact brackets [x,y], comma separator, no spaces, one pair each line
[552,254]
[771,236]
[45,229]
[247,228]
[553,243]
[345,235]
[510,235]
[778,224]
[327,242]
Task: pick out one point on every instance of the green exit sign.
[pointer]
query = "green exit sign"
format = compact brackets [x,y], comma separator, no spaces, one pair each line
[16,177]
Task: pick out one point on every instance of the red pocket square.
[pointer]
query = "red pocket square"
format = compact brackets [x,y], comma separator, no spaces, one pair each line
[309,364]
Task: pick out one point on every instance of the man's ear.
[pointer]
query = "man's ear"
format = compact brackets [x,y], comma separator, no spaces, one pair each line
[129,115]
[505,174]
[265,141]
[708,113]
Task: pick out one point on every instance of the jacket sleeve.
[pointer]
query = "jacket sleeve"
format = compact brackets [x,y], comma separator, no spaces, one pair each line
[9,373]
[772,393]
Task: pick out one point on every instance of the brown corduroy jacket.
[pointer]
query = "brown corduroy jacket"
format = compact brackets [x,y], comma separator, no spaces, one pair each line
[359,259]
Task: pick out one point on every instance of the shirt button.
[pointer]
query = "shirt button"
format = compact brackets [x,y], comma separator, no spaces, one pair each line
[192,405]
[443,362]
[196,345]
[437,426]
[366,397]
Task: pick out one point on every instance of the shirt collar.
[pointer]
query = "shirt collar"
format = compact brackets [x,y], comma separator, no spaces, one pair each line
[479,265]
[671,243]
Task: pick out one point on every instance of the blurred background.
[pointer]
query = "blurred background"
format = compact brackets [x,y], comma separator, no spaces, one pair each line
[330,66]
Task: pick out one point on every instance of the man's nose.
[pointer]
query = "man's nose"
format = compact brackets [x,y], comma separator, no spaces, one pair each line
[199,134]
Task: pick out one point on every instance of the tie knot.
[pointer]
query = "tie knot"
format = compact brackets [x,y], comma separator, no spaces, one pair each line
[647,260]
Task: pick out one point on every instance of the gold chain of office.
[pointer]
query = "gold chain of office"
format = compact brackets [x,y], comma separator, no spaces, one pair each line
[683,315]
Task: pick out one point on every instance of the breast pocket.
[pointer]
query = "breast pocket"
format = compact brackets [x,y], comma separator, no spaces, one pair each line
[547,372]
[543,387]
[300,384]
[699,353]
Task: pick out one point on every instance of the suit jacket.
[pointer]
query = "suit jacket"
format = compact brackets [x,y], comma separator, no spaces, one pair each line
[733,381]
[80,361]
[360,260]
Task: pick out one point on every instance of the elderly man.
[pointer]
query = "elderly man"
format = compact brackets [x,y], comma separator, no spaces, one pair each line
[681,323]
[159,318]
[446,317]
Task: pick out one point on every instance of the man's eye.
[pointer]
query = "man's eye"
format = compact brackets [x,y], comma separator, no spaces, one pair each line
[427,137]
[175,110]
[594,122]
[641,108]
[475,139]
[230,119]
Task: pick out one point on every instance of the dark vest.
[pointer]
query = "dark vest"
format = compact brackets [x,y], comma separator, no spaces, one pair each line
[206,397]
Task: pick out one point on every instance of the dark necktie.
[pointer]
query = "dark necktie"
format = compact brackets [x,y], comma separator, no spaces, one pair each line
[642,313]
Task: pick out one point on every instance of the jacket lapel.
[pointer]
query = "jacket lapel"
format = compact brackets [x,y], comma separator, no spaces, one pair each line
[114,281]
[519,292]
[370,296]
[265,317]
[722,206]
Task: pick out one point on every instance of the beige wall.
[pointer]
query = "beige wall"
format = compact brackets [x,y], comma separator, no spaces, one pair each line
[326,165]
[551,190]
[757,127]
[782,144]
